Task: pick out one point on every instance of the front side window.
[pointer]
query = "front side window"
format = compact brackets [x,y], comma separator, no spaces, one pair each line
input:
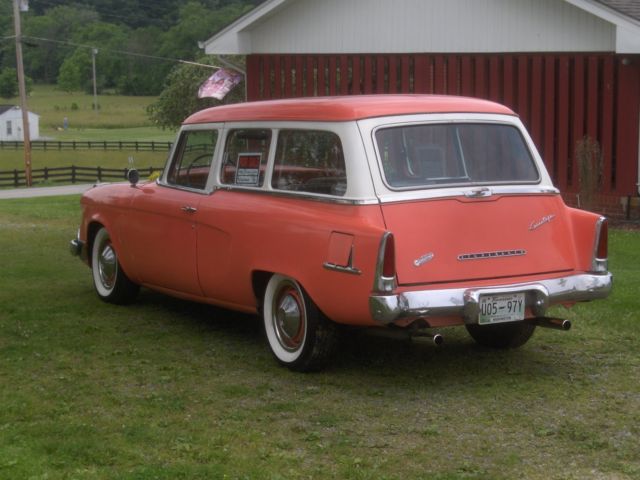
[9,128]
[245,157]
[309,161]
[423,156]
[192,160]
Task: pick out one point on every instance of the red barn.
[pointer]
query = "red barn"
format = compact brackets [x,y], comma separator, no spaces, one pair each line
[570,68]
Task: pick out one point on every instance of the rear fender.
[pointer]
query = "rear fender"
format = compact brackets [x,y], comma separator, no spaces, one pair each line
[584,227]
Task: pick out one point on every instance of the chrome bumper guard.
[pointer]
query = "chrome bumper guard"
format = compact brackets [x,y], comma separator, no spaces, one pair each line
[464,302]
[76,246]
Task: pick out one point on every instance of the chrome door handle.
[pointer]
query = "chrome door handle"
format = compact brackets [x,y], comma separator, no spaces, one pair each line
[189,209]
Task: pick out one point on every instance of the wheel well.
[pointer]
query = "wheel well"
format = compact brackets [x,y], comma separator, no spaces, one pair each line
[92,230]
[259,280]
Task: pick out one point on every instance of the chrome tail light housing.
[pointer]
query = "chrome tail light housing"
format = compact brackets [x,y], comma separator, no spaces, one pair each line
[385,276]
[600,262]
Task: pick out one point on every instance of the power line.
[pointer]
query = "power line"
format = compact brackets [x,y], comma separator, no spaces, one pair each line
[123,52]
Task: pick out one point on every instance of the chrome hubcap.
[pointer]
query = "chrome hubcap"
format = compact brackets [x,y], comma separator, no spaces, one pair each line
[289,318]
[107,266]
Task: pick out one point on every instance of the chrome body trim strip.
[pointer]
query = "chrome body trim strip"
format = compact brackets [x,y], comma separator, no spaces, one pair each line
[464,302]
[497,254]
[342,269]
[302,195]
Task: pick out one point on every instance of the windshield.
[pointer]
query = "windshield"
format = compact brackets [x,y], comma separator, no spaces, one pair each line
[419,156]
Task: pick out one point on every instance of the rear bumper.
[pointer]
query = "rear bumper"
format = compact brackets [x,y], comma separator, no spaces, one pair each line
[464,302]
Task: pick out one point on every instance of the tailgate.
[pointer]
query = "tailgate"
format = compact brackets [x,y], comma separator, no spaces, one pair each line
[459,239]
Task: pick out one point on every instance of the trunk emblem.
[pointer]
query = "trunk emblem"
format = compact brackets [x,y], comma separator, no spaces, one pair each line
[538,223]
[485,255]
[423,259]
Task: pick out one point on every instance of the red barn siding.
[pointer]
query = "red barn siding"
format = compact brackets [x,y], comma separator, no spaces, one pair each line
[561,98]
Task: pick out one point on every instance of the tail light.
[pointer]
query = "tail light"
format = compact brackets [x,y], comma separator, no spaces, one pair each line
[385,279]
[601,246]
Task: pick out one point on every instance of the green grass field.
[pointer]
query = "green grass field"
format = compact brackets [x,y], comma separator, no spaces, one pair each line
[165,389]
[10,159]
[113,121]
[119,119]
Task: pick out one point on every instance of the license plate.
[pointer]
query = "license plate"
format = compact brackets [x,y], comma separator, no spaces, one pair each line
[504,307]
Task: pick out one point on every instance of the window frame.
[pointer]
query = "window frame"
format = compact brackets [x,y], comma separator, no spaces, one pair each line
[175,151]
[444,186]
[268,162]
[303,192]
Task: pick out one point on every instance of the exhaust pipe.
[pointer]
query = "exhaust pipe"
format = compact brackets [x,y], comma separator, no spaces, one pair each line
[405,334]
[555,323]
[436,338]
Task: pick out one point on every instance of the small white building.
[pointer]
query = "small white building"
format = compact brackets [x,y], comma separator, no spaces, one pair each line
[11,124]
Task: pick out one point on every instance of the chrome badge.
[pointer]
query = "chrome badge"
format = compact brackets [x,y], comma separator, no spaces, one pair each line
[423,259]
[538,223]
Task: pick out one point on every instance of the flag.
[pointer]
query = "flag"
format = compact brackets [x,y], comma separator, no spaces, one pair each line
[219,84]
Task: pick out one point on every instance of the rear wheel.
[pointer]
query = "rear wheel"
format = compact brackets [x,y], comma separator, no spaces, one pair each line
[111,283]
[502,335]
[299,335]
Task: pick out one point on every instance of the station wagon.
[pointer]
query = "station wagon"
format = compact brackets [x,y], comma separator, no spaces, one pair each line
[402,212]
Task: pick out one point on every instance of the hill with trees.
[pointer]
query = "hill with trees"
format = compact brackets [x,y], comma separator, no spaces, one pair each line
[137,41]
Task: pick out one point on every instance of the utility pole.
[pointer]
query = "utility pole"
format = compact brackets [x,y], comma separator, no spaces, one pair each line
[94,52]
[23,93]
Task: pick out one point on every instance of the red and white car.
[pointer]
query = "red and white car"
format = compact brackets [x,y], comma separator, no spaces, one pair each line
[407,211]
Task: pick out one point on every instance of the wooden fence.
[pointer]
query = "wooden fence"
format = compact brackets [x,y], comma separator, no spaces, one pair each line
[72,174]
[89,145]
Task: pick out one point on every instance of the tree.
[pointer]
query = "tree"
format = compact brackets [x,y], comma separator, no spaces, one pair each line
[43,59]
[179,99]
[9,83]
[197,22]
[75,71]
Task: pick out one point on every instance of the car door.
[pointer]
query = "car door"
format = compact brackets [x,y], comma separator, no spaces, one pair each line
[165,216]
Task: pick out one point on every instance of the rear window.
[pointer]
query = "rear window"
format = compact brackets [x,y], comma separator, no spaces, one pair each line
[309,161]
[422,156]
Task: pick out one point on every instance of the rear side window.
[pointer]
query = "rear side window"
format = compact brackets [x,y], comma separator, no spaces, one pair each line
[192,160]
[309,161]
[245,157]
[421,156]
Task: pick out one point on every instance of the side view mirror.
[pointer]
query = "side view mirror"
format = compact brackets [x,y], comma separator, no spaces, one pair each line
[133,176]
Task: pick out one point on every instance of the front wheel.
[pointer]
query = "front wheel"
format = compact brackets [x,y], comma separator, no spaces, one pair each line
[111,283]
[502,335]
[299,335]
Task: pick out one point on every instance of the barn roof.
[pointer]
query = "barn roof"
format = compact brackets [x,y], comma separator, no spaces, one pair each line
[335,109]
[464,26]
[4,108]
[630,8]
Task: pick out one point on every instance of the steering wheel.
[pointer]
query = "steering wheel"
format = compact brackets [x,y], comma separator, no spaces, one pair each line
[194,164]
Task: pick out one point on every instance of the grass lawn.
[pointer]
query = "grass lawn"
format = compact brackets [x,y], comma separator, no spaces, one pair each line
[117,114]
[165,389]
